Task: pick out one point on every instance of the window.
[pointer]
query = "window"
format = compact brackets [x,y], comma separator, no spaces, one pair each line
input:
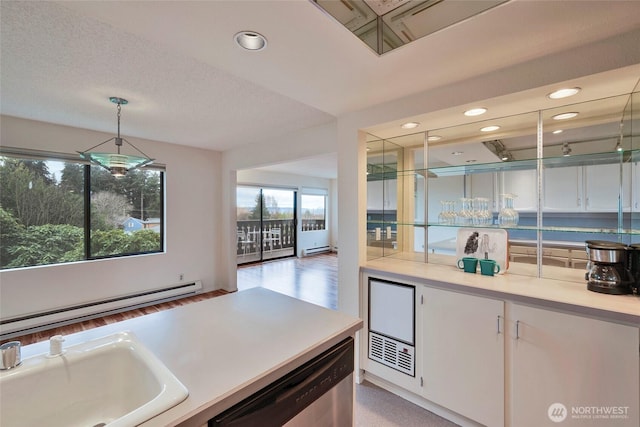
[51,213]
[313,209]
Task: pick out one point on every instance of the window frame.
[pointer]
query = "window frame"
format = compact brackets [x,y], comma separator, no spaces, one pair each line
[314,193]
[38,155]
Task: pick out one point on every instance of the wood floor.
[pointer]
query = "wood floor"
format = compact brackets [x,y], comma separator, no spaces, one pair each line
[112,318]
[313,279]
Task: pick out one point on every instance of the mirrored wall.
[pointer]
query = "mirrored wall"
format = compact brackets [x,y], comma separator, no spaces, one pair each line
[529,189]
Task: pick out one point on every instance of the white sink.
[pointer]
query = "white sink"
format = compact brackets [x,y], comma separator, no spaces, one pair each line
[112,381]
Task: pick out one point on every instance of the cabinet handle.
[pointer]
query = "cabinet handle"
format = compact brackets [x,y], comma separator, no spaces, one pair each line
[498,325]
[579,201]
[517,329]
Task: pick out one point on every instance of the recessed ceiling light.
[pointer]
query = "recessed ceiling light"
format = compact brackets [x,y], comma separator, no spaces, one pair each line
[457,153]
[475,111]
[565,116]
[410,125]
[471,161]
[250,40]
[433,138]
[489,128]
[555,132]
[564,93]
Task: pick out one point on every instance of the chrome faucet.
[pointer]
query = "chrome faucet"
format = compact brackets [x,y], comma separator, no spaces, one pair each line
[55,346]
[10,355]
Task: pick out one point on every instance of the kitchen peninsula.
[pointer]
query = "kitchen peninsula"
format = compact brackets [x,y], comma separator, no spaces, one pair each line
[224,349]
[513,345]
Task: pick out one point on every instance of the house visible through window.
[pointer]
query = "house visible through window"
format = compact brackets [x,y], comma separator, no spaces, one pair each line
[50,213]
[313,209]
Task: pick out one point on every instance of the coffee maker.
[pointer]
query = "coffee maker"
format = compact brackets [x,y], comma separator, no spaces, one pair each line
[634,266]
[608,268]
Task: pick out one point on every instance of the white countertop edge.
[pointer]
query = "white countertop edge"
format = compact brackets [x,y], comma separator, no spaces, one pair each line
[220,348]
[546,293]
[200,415]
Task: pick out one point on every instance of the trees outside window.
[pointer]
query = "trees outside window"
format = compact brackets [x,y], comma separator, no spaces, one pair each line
[43,214]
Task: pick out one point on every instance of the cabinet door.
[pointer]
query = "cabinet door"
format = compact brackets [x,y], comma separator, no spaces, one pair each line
[463,363]
[602,187]
[563,189]
[565,366]
[521,183]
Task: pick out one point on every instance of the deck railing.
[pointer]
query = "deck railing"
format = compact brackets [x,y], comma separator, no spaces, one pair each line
[250,236]
[313,224]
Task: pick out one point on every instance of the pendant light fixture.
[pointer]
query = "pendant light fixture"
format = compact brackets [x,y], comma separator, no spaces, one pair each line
[116,163]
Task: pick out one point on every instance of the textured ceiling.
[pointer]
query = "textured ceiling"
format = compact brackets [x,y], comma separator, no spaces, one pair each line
[188,83]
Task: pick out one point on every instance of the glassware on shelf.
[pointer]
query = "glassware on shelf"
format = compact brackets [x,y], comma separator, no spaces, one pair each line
[508,216]
[481,213]
[465,215]
[447,214]
[442,216]
[451,212]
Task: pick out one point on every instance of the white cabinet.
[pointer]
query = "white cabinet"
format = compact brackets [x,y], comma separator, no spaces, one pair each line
[602,187]
[592,188]
[523,184]
[463,354]
[569,366]
[563,189]
[382,195]
[502,363]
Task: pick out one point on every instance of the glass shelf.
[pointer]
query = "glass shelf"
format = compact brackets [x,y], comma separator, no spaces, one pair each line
[383,224]
[612,157]
[544,228]
[481,168]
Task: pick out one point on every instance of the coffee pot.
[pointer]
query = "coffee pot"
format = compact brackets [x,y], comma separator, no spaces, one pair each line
[608,268]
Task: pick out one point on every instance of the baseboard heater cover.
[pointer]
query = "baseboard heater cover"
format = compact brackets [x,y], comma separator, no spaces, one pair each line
[392,353]
[313,251]
[63,316]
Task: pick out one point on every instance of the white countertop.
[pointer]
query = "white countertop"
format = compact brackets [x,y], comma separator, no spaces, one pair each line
[226,348]
[569,295]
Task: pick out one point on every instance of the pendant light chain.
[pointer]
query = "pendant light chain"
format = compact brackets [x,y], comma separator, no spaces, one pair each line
[118,139]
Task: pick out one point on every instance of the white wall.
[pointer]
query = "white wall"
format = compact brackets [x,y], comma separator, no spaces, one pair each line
[307,239]
[193,232]
[294,146]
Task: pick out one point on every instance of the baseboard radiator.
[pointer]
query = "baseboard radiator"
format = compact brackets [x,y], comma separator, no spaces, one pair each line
[41,321]
[314,251]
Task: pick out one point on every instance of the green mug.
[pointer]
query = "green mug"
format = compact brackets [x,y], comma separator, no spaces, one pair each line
[489,267]
[468,264]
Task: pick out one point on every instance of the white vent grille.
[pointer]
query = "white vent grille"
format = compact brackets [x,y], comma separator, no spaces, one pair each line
[392,353]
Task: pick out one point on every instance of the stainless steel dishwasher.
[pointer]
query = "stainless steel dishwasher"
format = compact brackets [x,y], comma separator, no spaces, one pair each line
[318,393]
